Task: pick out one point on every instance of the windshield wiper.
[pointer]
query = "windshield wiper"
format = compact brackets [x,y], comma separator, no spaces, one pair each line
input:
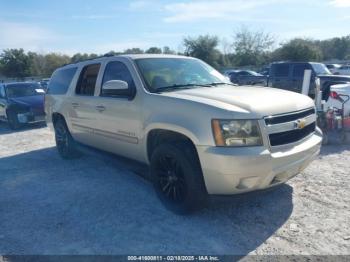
[221,83]
[178,87]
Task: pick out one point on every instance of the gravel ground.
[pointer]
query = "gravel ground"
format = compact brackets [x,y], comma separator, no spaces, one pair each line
[97,205]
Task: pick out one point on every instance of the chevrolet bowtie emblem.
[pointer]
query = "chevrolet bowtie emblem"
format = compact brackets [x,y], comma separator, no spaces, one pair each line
[300,124]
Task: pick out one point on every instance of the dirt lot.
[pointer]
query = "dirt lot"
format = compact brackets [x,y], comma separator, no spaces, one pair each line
[98,205]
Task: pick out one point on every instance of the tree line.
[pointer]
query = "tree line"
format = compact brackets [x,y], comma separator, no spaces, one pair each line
[246,49]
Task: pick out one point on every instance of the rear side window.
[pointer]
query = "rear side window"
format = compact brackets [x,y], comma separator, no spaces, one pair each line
[87,80]
[298,70]
[60,81]
[282,70]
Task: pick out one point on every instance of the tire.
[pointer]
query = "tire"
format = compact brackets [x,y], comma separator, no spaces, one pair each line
[65,143]
[13,120]
[177,177]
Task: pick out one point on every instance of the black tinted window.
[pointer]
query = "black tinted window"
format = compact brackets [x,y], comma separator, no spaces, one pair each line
[298,70]
[118,71]
[282,70]
[60,81]
[24,89]
[87,80]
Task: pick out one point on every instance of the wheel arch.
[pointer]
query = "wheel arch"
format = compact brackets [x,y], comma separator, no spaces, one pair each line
[159,135]
[56,116]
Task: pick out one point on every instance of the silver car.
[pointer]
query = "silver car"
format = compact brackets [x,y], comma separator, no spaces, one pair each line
[199,134]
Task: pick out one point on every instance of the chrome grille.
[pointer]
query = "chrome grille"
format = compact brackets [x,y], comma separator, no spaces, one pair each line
[290,128]
[277,119]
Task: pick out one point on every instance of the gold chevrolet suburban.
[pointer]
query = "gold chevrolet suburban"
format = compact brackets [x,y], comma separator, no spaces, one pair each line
[200,134]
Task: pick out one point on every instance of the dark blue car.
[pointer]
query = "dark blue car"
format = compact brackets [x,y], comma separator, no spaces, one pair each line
[21,103]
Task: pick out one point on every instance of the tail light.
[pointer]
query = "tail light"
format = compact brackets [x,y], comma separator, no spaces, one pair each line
[334,95]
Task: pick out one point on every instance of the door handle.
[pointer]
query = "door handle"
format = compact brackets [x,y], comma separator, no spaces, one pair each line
[75,105]
[100,108]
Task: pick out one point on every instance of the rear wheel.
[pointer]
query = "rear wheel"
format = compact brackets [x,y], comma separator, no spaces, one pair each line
[177,177]
[65,143]
[13,120]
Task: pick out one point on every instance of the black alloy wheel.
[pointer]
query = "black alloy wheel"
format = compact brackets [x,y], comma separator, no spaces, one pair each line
[177,177]
[171,179]
[65,143]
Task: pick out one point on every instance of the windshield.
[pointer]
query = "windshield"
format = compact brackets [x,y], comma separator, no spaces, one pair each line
[321,69]
[160,74]
[27,89]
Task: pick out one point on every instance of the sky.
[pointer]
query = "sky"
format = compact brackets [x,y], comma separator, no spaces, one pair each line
[72,26]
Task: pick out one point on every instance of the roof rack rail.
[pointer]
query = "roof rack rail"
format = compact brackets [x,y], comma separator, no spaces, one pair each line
[97,57]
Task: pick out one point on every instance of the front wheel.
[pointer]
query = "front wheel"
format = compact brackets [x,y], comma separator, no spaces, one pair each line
[65,143]
[177,177]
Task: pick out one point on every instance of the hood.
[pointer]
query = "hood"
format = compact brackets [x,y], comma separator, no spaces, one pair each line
[34,102]
[258,102]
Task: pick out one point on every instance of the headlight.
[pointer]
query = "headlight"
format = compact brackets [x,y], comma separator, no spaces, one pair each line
[236,133]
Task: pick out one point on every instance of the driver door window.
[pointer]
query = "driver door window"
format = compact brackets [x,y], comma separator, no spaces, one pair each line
[118,71]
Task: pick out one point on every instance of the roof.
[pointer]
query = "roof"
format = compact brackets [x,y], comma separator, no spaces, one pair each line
[129,56]
[140,56]
[294,62]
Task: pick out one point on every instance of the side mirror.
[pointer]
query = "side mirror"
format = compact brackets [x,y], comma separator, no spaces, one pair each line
[115,88]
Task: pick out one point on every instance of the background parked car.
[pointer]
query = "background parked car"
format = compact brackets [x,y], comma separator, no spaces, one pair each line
[334,101]
[247,77]
[21,103]
[265,71]
[44,83]
[333,67]
[343,70]
[290,75]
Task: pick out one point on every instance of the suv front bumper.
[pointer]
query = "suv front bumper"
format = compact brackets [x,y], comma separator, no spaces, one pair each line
[228,170]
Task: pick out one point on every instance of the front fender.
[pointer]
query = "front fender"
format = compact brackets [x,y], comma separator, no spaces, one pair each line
[168,124]
[172,127]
